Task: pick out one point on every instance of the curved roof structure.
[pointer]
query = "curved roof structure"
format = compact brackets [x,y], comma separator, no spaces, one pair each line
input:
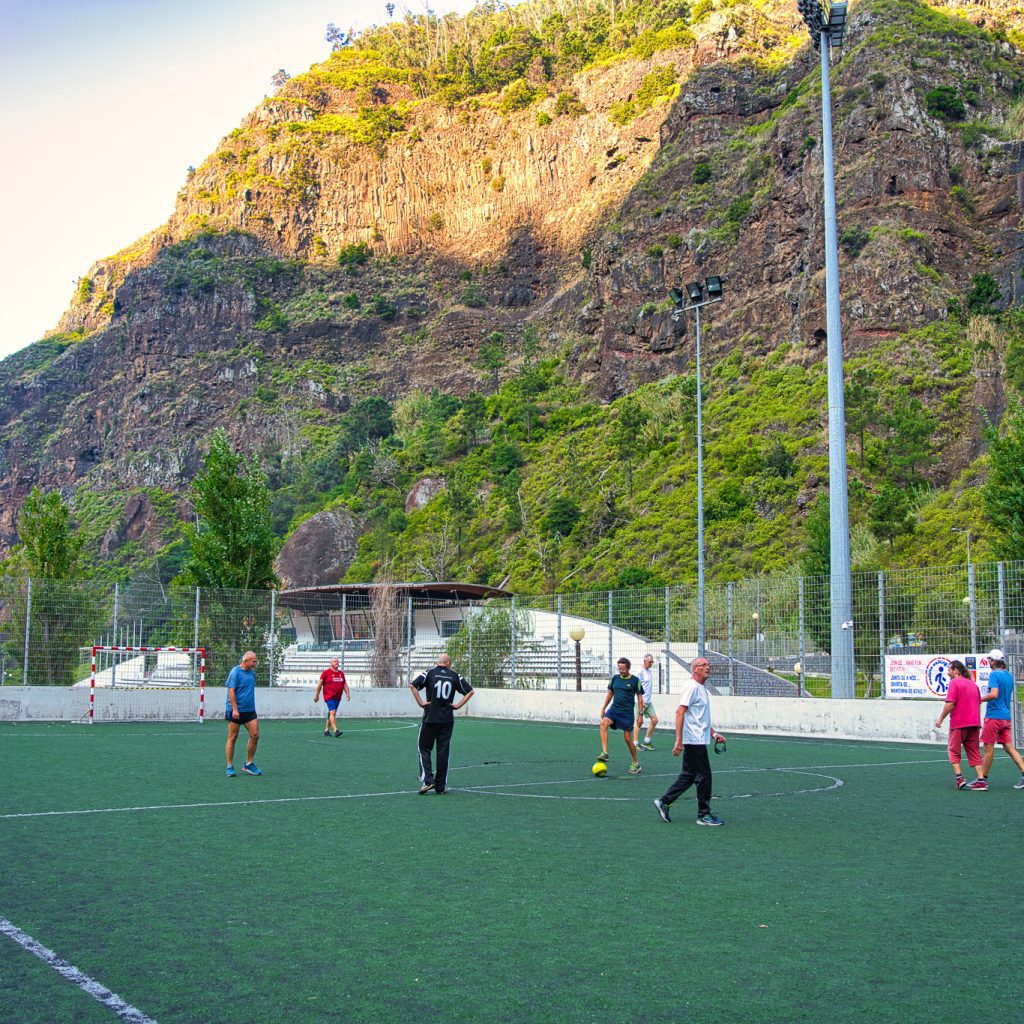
[318,598]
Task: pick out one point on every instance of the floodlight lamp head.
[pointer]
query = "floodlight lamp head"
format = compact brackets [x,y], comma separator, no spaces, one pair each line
[695,290]
[714,287]
[677,296]
[577,633]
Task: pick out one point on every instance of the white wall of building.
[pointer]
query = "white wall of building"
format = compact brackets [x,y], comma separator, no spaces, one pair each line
[902,721]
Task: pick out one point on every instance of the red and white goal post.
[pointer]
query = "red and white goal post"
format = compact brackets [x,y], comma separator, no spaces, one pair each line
[131,684]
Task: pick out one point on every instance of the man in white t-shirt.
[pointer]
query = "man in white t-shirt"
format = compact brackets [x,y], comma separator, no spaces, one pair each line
[693,734]
[647,682]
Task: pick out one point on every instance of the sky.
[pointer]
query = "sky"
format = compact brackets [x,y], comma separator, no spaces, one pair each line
[106,103]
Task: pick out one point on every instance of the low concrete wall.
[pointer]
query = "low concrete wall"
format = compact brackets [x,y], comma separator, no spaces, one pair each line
[903,721]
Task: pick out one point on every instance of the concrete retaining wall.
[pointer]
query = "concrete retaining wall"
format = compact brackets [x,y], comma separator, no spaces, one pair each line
[903,721]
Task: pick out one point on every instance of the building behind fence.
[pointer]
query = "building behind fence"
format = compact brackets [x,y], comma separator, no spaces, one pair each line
[765,636]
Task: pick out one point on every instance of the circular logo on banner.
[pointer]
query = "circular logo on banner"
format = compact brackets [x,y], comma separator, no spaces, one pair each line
[936,676]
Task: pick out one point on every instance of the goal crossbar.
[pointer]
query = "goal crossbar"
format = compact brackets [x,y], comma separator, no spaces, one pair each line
[198,652]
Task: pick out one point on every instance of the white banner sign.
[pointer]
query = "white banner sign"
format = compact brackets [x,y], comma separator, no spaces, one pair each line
[927,675]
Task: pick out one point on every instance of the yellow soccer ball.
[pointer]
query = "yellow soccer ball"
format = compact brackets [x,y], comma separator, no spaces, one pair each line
[600,769]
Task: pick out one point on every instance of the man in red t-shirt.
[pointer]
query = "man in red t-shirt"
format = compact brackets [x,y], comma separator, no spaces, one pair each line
[332,682]
[963,705]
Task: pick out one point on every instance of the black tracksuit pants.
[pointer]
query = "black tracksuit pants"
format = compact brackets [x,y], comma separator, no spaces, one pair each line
[431,734]
[696,772]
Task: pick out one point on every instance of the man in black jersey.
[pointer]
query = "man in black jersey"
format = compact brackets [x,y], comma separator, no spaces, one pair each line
[441,684]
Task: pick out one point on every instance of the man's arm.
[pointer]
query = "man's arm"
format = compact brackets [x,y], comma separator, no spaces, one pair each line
[415,687]
[946,709]
[992,693]
[344,686]
[680,715]
[319,687]
[465,699]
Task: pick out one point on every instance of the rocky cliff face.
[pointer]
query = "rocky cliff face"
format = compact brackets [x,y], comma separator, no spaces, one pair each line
[237,312]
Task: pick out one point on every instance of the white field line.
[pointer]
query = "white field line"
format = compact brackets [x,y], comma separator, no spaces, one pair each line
[90,986]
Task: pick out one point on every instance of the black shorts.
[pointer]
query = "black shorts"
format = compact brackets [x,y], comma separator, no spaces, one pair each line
[243,717]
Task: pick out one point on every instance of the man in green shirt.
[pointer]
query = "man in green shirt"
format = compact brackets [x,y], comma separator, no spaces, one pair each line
[622,691]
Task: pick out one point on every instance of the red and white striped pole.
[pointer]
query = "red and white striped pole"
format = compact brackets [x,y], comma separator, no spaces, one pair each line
[92,688]
[202,684]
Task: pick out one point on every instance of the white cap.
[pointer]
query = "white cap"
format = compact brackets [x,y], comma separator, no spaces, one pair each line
[996,655]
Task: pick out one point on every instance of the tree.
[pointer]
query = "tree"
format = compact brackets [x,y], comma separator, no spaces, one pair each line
[1004,490]
[62,612]
[984,295]
[861,401]
[562,515]
[891,515]
[338,39]
[279,77]
[231,543]
[909,436]
[482,649]
[50,546]
[625,437]
[492,357]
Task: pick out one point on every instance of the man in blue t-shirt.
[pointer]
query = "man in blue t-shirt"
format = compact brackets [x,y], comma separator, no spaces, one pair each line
[239,710]
[622,691]
[998,712]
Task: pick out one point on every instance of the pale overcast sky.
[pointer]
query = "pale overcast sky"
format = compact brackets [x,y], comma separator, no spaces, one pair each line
[105,105]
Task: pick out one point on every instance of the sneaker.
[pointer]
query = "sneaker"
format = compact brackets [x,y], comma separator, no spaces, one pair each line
[231,773]
[602,757]
[709,819]
[1019,785]
[662,809]
[426,788]
[337,733]
[327,732]
[961,782]
[634,768]
[648,746]
[978,784]
[251,769]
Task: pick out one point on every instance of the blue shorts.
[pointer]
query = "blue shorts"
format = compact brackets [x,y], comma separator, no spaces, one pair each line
[619,721]
[332,704]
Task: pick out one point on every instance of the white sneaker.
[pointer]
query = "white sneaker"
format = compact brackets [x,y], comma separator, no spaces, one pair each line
[1019,785]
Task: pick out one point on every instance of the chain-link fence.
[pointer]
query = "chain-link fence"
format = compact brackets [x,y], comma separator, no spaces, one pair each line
[767,636]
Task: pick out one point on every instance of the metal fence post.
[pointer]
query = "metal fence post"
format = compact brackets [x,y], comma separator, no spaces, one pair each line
[611,664]
[408,639]
[732,660]
[973,608]
[513,642]
[344,629]
[1002,604]
[28,631]
[195,622]
[881,629]
[558,656]
[273,635]
[470,627]
[801,681]
[668,645]
[117,640]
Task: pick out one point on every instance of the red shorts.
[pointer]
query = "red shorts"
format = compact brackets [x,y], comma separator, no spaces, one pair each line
[996,730]
[968,738]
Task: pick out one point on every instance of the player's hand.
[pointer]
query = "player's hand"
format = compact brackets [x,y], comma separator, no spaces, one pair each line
[316,700]
[234,715]
[677,750]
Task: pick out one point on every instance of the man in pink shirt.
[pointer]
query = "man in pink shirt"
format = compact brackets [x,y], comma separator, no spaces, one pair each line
[963,705]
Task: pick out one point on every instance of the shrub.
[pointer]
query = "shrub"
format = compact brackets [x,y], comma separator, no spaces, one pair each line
[486,165]
[808,144]
[384,307]
[85,289]
[569,104]
[701,173]
[674,241]
[984,294]
[275,320]
[944,103]
[518,96]
[853,240]
[351,301]
[543,118]
[354,255]
[498,183]
[622,112]
[655,252]
[585,258]
[436,221]
[472,296]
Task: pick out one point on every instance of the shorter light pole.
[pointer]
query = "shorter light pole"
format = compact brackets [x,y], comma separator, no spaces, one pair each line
[695,294]
[577,633]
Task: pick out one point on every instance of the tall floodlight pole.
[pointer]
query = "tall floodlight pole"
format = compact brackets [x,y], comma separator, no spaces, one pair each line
[827,24]
[695,293]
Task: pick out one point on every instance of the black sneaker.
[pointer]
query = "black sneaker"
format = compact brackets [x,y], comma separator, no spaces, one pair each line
[426,788]
[709,819]
[602,757]
[662,809]
[337,733]
[327,732]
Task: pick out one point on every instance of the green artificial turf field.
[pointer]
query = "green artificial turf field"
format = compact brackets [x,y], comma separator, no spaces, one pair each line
[850,883]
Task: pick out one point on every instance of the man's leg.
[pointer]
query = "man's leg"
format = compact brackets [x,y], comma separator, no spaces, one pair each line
[990,753]
[701,767]
[253,728]
[604,736]
[682,783]
[444,742]
[425,744]
[652,721]
[627,735]
[229,748]
[1017,759]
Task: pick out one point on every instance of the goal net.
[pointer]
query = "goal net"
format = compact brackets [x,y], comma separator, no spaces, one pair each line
[135,684]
